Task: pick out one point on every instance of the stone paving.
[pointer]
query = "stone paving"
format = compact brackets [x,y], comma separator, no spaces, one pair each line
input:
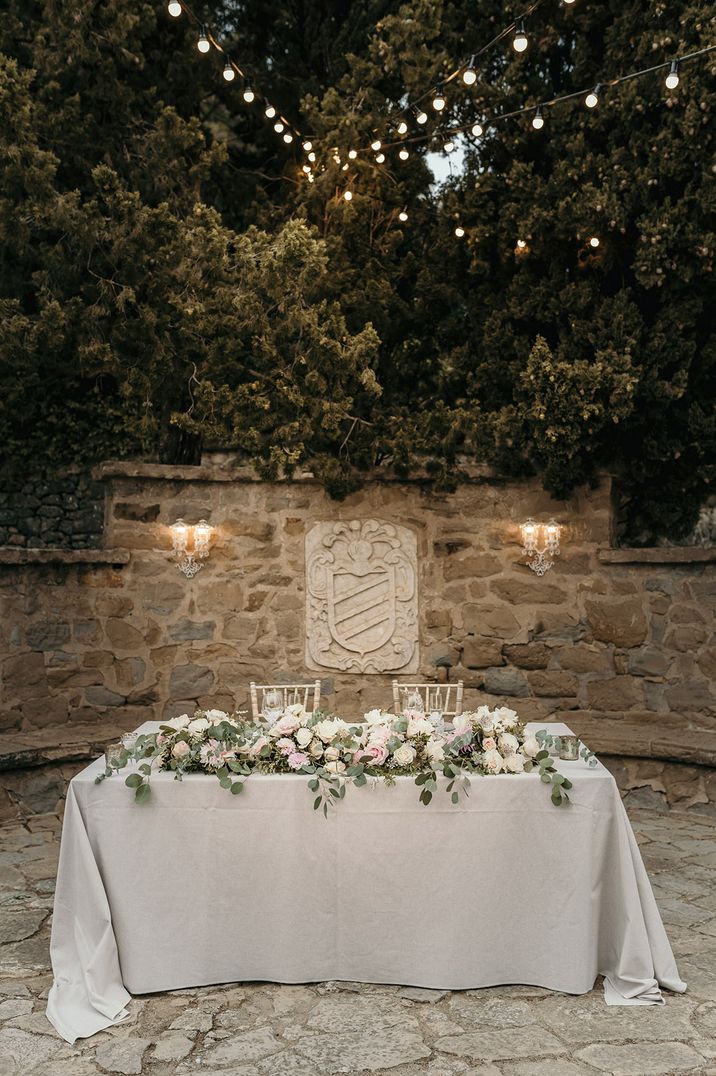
[266,1030]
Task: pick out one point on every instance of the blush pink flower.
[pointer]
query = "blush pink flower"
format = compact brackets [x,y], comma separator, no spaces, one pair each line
[378,754]
[488,744]
[286,745]
[297,759]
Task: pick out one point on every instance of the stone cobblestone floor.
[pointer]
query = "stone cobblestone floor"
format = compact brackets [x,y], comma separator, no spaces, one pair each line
[265,1030]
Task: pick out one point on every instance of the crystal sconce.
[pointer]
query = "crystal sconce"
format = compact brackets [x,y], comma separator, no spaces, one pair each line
[199,537]
[540,542]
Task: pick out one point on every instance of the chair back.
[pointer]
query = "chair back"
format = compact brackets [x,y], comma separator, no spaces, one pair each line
[444,697]
[308,695]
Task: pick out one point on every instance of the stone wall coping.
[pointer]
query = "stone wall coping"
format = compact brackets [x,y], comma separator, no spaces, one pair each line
[659,555]
[57,743]
[14,555]
[630,739]
[205,472]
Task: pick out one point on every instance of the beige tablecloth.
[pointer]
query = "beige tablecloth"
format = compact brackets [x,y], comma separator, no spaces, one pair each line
[198,886]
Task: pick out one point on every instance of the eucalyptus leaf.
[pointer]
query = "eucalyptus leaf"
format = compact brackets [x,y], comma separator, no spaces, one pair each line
[133,780]
[142,794]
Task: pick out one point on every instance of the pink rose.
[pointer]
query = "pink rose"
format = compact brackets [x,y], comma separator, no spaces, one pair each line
[380,736]
[257,746]
[297,759]
[488,744]
[377,752]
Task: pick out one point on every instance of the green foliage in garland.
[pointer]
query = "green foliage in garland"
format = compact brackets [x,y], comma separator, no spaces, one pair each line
[168,278]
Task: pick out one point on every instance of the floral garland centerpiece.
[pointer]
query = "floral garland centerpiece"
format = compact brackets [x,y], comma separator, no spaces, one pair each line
[332,752]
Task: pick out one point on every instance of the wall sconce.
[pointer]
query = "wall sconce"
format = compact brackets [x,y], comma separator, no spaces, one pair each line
[182,535]
[541,557]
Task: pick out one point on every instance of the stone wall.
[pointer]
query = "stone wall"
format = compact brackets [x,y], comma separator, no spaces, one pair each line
[84,642]
[63,510]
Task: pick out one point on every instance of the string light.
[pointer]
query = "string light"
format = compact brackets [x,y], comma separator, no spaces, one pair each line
[308,146]
[336,158]
[288,137]
[376,144]
[519,41]
[248,94]
[203,44]
[477,130]
[174,8]
[348,195]
[307,169]
[592,98]
[439,101]
[538,120]
[421,116]
[672,79]
[469,75]
[380,158]
[403,215]
[278,126]
[403,153]
[521,244]
[449,146]
[459,232]
[402,128]
[311,156]
[229,73]
[269,112]
[594,242]
[569,1]
[352,153]
[345,167]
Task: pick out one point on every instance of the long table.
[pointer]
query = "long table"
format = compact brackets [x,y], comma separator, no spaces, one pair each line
[199,887]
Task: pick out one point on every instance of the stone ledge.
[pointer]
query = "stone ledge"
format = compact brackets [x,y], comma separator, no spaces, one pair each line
[632,739]
[658,555]
[11,555]
[56,743]
[207,472]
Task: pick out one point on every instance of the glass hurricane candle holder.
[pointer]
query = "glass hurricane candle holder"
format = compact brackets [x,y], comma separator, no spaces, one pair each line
[569,748]
[114,754]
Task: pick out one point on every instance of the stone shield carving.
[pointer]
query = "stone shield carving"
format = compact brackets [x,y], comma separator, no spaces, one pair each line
[361,597]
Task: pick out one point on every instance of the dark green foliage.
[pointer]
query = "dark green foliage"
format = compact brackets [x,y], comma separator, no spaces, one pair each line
[168,277]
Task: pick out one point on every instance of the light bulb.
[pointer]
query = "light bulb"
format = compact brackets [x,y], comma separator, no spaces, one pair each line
[402,128]
[477,130]
[348,195]
[592,98]
[403,215]
[521,244]
[459,232]
[248,95]
[310,179]
[307,168]
[345,167]
[288,137]
[269,112]
[404,153]
[352,154]
[449,146]
[439,102]
[375,145]
[672,79]
[203,44]
[380,158]
[278,126]
[519,41]
[174,8]
[594,242]
[422,117]
[312,156]
[569,1]
[229,73]
[469,75]
[308,146]
[336,158]
[538,120]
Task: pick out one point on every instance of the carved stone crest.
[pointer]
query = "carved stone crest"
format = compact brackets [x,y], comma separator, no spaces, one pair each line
[361,597]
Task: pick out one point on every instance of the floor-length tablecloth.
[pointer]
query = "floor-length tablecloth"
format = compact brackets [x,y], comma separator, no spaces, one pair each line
[197,886]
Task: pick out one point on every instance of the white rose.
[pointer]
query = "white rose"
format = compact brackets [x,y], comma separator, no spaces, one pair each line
[405,755]
[462,723]
[508,743]
[199,725]
[296,710]
[304,737]
[434,751]
[418,726]
[493,761]
[328,730]
[180,749]
[530,747]
[179,723]
[216,716]
[508,717]
[486,719]
[336,767]
[331,754]
[514,763]
[315,750]
[374,717]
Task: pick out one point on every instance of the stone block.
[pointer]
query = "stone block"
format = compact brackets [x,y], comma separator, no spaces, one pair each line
[686,638]
[86,631]
[50,710]
[255,600]
[136,513]
[190,681]
[242,628]
[98,695]
[123,636]
[474,566]
[707,663]
[186,629]
[528,591]
[557,626]
[648,661]
[437,619]
[100,578]
[480,652]
[129,672]
[163,598]
[113,605]
[691,695]
[618,693]
[686,614]
[620,622]
[527,655]
[163,656]
[24,676]
[553,684]
[97,659]
[506,681]
[450,546]
[496,620]
[47,635]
